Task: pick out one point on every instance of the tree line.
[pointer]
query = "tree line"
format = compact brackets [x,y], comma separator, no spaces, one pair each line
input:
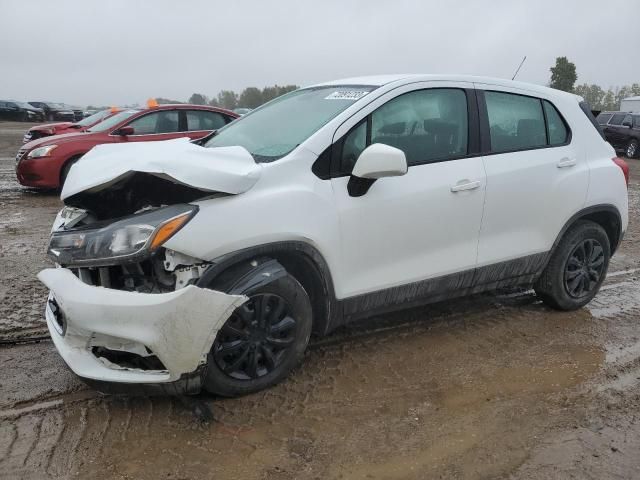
[564,77]
[250,97]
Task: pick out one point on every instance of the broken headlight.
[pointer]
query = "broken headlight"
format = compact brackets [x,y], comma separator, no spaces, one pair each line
[128,239]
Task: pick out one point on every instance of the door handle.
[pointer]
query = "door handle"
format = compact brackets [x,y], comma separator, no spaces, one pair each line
[566,162]
[467,185]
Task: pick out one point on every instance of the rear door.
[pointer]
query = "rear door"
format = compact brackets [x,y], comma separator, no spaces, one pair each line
[536,179]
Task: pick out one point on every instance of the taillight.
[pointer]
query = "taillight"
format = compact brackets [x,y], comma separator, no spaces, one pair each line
[624,166]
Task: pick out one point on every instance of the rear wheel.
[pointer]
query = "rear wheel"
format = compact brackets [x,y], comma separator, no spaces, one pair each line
[632,149]
[577,268]
[262,341]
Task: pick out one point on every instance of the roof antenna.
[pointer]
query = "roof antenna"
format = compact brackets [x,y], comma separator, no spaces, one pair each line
[519,67]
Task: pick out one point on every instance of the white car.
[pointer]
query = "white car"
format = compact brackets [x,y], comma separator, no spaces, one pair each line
[186,266]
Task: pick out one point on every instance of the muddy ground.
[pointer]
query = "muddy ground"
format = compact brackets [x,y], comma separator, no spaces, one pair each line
[496,386]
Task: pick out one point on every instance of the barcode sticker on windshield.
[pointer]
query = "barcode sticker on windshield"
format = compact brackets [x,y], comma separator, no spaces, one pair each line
[348,95]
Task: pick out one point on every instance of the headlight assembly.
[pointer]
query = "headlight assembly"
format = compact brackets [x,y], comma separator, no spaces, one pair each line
[42,151]
[127,240]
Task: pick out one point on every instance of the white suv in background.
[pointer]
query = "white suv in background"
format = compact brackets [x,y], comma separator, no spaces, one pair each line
[189,266]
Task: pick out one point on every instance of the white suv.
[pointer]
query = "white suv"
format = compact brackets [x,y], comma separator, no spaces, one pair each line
[189,266]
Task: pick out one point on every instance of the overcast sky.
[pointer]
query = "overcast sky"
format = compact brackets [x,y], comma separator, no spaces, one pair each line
[122,51]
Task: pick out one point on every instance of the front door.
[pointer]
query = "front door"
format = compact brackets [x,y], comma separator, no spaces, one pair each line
[422,225]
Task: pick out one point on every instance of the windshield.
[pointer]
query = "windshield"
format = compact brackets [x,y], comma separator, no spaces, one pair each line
[274,130]
[95,118]
[56,106]
[112,121]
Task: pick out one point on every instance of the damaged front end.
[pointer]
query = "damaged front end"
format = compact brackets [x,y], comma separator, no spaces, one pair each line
[124,309]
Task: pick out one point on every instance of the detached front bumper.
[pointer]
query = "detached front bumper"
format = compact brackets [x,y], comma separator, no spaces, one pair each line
[176,328]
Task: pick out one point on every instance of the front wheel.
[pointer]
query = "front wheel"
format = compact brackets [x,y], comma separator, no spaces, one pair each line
[262,341]
[65,170]
[577,267]
[632,149]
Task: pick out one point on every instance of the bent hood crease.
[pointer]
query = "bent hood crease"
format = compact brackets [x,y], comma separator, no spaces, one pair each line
[224,169]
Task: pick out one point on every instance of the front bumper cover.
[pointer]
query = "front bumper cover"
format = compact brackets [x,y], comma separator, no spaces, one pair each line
[178,327]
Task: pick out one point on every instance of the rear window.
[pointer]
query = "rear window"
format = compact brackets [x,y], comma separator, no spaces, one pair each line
[603,118]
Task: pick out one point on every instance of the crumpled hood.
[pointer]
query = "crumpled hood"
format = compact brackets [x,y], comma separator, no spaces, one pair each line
[224,169]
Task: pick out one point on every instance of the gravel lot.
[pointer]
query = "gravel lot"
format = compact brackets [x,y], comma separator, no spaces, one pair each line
[496,386]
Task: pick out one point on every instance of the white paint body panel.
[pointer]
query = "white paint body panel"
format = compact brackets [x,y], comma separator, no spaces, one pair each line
[229,169]
[179,327]
[409,228]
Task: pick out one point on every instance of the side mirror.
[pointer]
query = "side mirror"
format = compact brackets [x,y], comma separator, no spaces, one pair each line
[626,124]
[375,162]
[124,131]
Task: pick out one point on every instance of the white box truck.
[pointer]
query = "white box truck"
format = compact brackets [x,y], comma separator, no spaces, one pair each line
[630,104]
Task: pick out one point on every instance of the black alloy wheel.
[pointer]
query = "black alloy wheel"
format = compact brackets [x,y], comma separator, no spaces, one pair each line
[584,268]
[257,338]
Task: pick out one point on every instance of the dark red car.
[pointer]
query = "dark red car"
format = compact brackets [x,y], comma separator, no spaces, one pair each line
[59,128]
[45,163]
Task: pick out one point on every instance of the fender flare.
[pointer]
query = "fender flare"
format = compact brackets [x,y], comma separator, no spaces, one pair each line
[327,309]
[601,208]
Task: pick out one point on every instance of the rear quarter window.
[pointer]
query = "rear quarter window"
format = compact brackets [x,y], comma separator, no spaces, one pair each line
[586,109]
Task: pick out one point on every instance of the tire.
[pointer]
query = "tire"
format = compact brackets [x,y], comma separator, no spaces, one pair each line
[577,267]
[65,170]
[632,149]
[222,378]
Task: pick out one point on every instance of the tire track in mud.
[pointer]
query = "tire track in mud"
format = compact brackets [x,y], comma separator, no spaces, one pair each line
[41,440]
[340,370]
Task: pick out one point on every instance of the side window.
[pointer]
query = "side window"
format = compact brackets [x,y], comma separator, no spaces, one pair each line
[617,119]
[636,121]
[557,131]
[427,125]
[204,120]
[603,118]
[627,119]
[163,121]
[516,122]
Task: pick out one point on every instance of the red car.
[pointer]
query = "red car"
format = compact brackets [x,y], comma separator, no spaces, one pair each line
[59,128]
[45,163]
